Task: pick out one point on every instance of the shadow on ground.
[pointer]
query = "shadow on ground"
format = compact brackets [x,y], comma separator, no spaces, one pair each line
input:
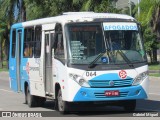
[143,106]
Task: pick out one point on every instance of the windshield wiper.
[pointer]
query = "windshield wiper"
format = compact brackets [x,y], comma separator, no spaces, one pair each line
[125,58]
[92,64]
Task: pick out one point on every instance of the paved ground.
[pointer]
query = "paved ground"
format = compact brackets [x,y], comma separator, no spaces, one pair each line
[10,101]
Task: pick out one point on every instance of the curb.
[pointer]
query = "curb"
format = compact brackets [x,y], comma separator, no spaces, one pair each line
[154,71]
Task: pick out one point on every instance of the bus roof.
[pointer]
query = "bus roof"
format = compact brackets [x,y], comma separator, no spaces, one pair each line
[73,17]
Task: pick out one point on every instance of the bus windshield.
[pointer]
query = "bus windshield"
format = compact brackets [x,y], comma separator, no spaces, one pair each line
[116,43]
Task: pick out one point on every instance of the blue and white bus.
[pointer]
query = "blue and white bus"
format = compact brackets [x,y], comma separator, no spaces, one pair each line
[79,57]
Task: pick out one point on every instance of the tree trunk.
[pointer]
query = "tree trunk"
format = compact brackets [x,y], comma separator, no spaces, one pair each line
[7,56]
[154,55]
[7,50]
[150,55]
[1,53]
[23,12]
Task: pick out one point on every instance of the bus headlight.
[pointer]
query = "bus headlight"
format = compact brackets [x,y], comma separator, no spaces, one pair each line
[81,81]
[140,78]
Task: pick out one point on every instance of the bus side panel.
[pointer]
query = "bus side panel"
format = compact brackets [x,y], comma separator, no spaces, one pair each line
[36,82]
[13,77]
[24,73]
[60,71]
[12,66]
[30,74]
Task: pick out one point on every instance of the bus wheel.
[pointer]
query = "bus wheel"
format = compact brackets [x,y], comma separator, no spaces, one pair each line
[129,105]
[62,105]
[30,99]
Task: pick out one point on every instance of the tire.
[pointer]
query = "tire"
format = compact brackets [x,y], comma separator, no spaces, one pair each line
[26,102]
[30,99]
[40,101]
[62,106]
[129,105]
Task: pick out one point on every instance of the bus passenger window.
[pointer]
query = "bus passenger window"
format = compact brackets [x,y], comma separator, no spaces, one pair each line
[28,51]
[28,42]
[37,42]
[13,43]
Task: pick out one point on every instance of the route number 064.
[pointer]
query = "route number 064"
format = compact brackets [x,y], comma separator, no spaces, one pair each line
[91,74]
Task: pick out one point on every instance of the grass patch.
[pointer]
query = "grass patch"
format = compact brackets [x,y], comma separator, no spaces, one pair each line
[155,66]
[154,74]
[3,69]
[4,63]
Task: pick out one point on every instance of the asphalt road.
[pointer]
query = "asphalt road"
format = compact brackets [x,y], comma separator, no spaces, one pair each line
[11,101]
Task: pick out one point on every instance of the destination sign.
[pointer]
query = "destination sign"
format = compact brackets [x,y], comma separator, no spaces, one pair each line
[119,26]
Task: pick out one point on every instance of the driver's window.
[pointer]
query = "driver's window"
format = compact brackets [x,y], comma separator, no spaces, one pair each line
[58,43]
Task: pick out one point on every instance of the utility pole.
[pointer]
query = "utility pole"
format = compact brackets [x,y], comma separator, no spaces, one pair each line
[138,8]
[130,12]
[1,65]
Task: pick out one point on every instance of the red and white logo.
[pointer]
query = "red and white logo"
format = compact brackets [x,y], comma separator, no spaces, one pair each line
[122,74]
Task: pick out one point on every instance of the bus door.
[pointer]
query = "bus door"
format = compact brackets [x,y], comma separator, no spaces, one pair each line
[15,60]
[49,37]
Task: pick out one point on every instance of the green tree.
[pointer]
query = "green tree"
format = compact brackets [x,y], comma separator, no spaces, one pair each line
[21,6]
[2,31]
[150,42]
[149,18]
[39,9]
[97,5]
[12,11]
[7,9]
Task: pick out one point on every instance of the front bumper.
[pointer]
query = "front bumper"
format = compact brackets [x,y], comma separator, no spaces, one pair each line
[98,94]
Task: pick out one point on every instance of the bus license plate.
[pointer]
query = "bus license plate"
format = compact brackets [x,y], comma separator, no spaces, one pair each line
[112,93]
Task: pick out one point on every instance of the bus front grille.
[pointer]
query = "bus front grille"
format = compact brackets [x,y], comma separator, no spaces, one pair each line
[107,83]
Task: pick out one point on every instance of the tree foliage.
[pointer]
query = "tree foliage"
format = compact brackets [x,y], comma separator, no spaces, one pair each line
[7,18]
[12,11]
[149,18]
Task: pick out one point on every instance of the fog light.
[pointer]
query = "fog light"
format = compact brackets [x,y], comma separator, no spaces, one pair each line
[137,92]
[83,93]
